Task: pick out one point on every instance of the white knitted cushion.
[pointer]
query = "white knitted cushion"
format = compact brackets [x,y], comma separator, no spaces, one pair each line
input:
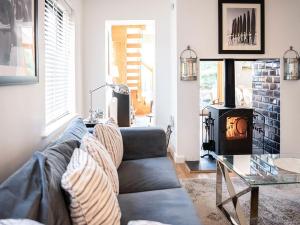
[98,152]
[109,135]
[18,222]
[92,198]
[145,222]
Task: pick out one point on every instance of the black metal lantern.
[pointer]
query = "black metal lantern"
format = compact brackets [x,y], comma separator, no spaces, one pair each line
[291,62]
[188,65]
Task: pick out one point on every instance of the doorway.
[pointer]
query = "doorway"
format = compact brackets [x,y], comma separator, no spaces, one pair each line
[131,61]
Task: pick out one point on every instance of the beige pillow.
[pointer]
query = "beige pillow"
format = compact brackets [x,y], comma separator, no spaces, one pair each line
[98,152]
[109,135]
[92,198]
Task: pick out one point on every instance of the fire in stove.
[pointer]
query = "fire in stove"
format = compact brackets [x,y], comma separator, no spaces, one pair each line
[236,128]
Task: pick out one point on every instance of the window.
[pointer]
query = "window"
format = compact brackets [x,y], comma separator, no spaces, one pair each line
[59,61]
[211,83]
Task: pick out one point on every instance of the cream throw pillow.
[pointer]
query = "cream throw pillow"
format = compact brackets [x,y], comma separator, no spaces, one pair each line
[145,222]
[18,222]
[110,136]
[92,198]
[98,152]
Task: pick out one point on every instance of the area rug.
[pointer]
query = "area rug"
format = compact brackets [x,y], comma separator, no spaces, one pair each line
[278,205]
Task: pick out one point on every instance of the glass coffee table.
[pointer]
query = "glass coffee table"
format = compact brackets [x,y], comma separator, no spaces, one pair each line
[254,171]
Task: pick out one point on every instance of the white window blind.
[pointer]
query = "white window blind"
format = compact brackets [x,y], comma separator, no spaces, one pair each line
[59,61]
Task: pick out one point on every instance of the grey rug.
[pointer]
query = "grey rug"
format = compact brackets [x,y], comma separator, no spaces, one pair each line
[278,205]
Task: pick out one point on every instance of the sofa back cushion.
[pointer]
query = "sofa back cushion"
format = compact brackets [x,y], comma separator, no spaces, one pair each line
[34,191]
[74,131]
[24,194]
[57,159]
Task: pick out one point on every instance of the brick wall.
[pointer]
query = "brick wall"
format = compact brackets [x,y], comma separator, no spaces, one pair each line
[266,100]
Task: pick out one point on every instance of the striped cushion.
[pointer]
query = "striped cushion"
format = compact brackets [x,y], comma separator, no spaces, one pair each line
[109,135]
[92,198]
[98,152]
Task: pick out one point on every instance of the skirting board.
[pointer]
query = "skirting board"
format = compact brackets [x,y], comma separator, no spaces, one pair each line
[177,158]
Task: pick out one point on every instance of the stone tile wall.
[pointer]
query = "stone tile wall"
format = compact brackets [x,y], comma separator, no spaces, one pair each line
[266,100]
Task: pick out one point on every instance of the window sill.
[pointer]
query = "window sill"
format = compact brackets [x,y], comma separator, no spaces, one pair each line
[54,127]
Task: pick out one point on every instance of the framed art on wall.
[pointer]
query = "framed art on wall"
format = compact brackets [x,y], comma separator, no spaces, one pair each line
[18,42]
[241,27]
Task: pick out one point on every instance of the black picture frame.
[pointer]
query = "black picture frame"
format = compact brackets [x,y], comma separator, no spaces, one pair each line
[244,45]
[16,79]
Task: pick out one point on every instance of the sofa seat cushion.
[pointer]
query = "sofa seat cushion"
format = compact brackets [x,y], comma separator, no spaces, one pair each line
[170,206]
[147,175]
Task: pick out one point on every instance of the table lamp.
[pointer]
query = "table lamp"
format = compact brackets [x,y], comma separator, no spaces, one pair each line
[119,88]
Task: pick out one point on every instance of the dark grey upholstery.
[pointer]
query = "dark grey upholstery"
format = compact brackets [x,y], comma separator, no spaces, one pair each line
[141,143]
[170,206]
[34,190]
[57,160]
[24,194]
[147,175]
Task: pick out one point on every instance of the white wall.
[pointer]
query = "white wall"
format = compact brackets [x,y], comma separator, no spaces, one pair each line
[197,25]
[96,12]
[22,116]
[173,78]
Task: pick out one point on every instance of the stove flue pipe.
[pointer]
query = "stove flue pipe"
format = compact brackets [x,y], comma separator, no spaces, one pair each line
[229,83]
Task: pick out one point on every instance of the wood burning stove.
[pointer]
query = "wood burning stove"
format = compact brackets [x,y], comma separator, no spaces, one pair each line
[232,130]
[233,126]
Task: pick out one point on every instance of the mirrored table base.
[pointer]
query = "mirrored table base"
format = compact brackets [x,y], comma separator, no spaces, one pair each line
[223,172]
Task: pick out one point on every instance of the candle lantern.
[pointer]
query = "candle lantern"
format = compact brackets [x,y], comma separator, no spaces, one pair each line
[188,64]
[291,62]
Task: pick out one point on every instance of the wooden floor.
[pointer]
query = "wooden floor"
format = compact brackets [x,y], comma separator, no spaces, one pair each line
[183,173]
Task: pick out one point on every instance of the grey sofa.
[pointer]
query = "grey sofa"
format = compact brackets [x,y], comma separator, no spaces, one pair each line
[149,188]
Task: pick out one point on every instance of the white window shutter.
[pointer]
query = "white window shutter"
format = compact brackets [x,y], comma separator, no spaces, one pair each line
[59,61]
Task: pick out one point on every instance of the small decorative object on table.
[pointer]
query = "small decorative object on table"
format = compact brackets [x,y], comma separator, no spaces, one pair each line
[188,64]
[90,124]
[241,27]
[291,62]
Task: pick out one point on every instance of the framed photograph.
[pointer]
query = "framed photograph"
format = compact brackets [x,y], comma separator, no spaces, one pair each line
[18,42]
[241,27]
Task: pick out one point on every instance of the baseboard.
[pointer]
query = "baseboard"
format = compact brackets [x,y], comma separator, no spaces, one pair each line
[177,158]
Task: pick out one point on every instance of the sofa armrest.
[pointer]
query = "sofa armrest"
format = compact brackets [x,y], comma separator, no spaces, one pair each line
[140,143]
